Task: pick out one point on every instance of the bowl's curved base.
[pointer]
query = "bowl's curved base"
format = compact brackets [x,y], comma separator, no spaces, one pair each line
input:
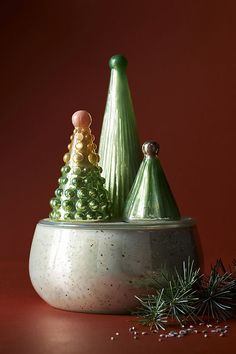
[101,311]
[101,270]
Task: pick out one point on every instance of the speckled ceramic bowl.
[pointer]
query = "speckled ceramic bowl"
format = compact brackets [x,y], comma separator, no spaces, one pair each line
[100,267]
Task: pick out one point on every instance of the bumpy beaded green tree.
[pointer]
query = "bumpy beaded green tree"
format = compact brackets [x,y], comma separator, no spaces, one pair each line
[81,194]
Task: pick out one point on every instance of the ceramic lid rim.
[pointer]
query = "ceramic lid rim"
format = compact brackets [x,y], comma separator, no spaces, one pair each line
[121,225]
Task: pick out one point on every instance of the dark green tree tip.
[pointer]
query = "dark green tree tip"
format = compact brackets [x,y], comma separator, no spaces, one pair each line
[118,62]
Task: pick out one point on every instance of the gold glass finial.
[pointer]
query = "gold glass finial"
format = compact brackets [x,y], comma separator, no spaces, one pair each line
[82,150]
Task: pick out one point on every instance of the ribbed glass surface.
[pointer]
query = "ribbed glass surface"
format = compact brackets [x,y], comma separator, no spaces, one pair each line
[119,150]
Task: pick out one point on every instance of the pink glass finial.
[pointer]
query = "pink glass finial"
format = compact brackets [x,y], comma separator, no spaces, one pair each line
[81,119]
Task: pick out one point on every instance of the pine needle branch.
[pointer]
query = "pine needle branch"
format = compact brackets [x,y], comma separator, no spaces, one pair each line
[216,295]
[153,310]
[187,295]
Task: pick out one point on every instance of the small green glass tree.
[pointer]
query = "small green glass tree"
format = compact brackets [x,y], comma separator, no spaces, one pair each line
[81,194]
[119,147]
[150,198]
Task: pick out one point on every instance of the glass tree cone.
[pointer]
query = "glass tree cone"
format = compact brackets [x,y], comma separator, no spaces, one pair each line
[150,198]
[81,194]
[119,147]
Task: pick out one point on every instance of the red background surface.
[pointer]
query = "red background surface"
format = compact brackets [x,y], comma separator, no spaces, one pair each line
[54,61]
[181,71]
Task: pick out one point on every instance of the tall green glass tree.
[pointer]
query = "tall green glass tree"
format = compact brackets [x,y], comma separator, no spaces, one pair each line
[119,149]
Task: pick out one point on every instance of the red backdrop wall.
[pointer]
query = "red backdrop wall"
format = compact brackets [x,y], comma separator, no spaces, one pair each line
[54,60]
